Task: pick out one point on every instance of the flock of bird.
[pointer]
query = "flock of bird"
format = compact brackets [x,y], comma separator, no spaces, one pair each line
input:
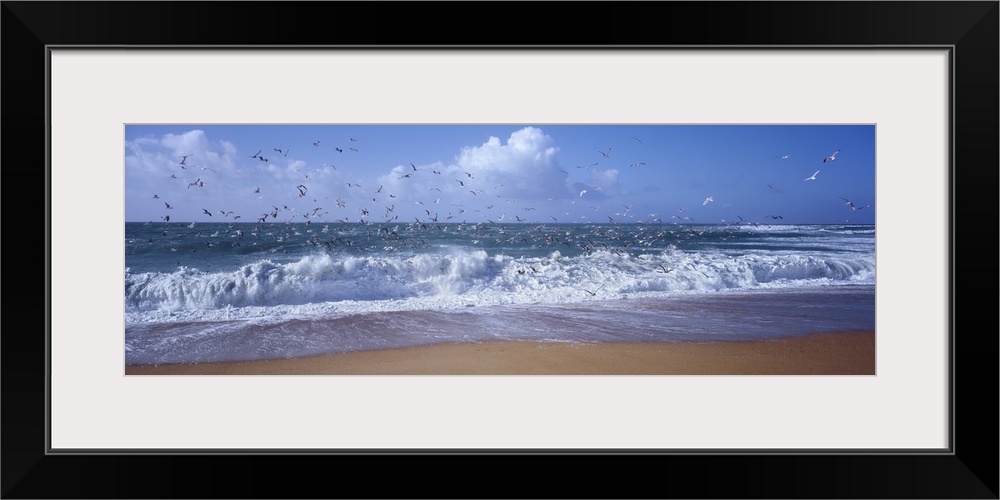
[492,219]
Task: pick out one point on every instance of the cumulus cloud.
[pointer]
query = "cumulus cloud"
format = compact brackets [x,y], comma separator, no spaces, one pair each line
[168,165]
[184,154]
[524,167]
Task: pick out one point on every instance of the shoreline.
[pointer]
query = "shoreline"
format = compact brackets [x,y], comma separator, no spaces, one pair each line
[839,353]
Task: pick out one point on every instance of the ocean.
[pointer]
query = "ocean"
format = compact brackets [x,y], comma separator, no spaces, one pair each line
[205,292]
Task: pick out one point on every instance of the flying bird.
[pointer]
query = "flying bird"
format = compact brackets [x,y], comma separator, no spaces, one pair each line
[831,157]
[168,206]
[707,201]
[302,190]
[812,177]
[198,183]
[605,154]
[207,212]
[854,208]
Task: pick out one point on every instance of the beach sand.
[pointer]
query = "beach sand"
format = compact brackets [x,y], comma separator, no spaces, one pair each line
[843,353]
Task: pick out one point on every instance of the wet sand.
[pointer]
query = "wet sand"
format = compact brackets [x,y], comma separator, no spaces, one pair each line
[843,353]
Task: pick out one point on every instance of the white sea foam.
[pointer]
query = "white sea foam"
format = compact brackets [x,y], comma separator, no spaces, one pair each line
[324,284]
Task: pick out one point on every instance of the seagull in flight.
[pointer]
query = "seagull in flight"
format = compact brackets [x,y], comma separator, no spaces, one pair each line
[831,157]
[784,157]
[811,177]
[605,154]
[707,201]
[851,204]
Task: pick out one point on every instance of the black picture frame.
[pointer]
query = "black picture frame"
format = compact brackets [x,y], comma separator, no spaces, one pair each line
[970,470]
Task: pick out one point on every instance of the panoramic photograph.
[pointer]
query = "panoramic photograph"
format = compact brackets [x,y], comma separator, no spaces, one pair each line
[509,249]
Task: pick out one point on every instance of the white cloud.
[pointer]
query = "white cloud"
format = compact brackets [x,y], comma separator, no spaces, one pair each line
[187,143]
[184,155]
[524,168]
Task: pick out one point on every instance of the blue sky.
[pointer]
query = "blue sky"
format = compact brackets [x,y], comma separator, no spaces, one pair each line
[501,173]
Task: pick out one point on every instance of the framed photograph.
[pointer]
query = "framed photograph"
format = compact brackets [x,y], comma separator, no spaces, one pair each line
[527,252]
[160,138]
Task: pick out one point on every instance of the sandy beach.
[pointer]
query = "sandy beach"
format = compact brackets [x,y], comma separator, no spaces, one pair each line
[842,353]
